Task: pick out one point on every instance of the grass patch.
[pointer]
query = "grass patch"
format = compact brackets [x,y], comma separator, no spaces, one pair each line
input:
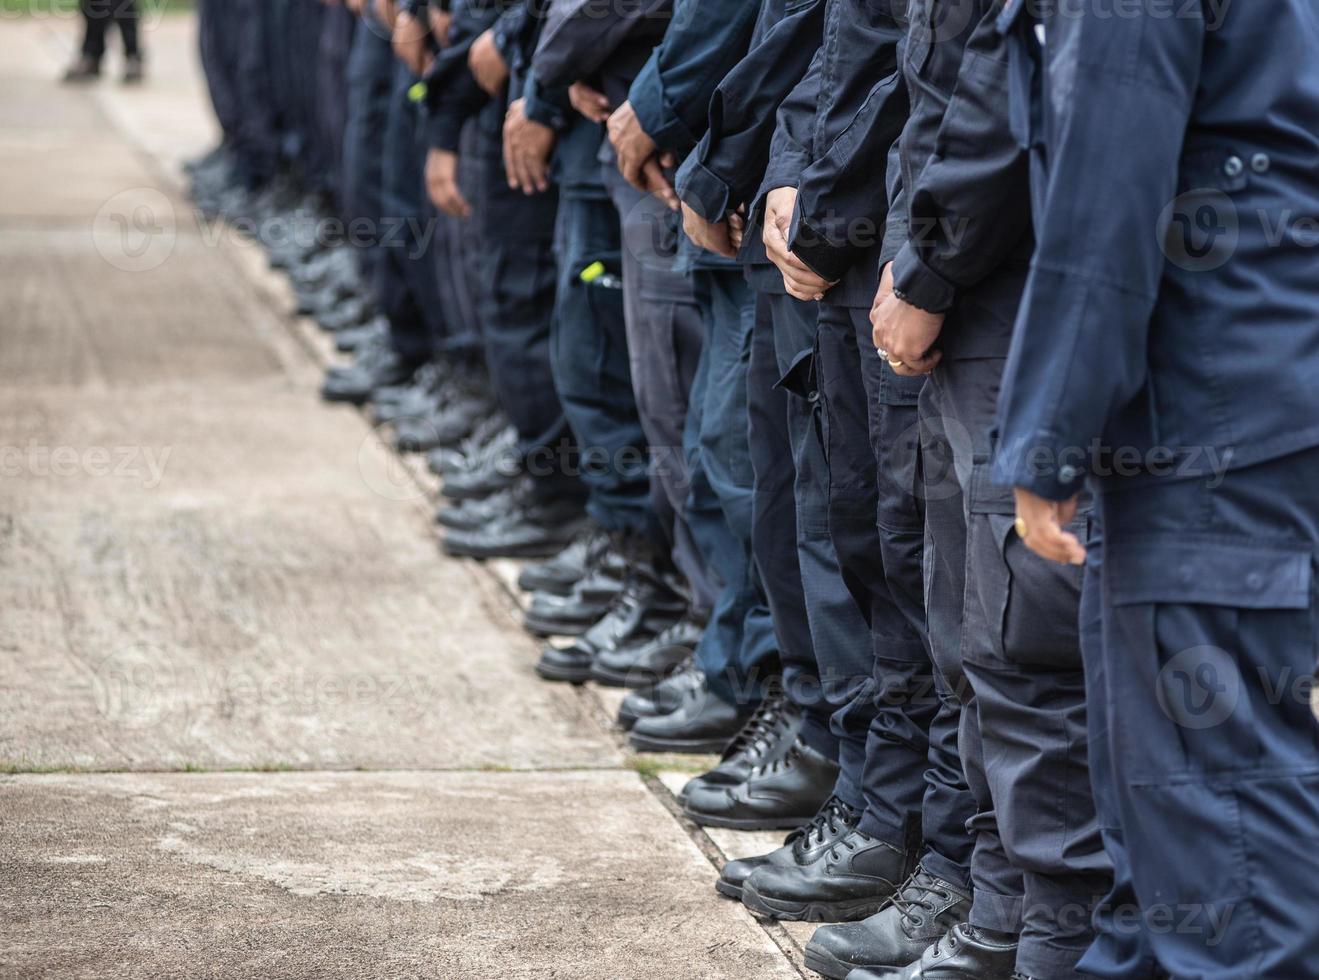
[57,8]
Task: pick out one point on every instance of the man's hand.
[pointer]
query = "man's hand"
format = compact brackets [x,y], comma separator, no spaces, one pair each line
[713,237]
[356,6]
[799,279]
[442,184]
[487,64]
[441,21]
[587,101]
[632,144]
[1040,524]
[387,13]
[904,335]
[410,46]
[527,148]
[737,227]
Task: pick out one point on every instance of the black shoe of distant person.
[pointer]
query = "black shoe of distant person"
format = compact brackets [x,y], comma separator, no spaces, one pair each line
[558,575]
[135,72]
[924,908]
[780,795]
[963,952]
[853,879]
[354,339]
[648,603]
[643,664]
[374,367]
[661,699]
[701,724]
[418,396]
[82,71]
[351,313]
[472,515]
[585,605]
[533,528]
[453,420]
[490,473]
[768,735]
[493,436]
[805,844]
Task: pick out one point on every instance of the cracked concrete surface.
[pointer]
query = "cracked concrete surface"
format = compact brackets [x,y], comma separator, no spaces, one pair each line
[208,578]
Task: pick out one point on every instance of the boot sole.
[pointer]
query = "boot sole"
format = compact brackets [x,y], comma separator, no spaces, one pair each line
[545,628]
[682,746]
[561,675]
[746,823]
[547,550]
[729,889]
[828,965]
[787,911]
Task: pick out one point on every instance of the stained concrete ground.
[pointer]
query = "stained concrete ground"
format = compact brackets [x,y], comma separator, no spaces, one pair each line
[252,723]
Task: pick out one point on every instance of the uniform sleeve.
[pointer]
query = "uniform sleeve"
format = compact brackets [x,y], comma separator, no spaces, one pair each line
[580,37]
[841,206]
[671,94]
[727,167]
[453,96]
[793,143]
[968,205]
[1117,99]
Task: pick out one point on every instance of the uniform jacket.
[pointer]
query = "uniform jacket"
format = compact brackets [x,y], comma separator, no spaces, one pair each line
[1172,309]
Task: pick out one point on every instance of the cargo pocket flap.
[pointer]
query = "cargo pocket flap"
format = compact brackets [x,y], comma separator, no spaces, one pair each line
[799,379]
[988,497]
[1208,570]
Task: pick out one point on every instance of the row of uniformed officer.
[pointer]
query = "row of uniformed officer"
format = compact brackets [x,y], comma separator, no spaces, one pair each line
[955,285]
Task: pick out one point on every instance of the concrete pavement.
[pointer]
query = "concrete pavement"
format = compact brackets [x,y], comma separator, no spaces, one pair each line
[207,578]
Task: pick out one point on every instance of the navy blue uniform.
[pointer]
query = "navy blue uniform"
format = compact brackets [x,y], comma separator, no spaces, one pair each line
[1003,622]
[1168,355]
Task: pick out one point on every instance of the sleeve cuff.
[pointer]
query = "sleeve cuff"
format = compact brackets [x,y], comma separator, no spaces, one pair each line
[813,246]
[545,106]
[1036,463]
[703,191]
[919,285]
[656,116]
[442,133]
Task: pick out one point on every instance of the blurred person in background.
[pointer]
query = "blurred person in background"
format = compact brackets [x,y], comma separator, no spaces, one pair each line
[97,15]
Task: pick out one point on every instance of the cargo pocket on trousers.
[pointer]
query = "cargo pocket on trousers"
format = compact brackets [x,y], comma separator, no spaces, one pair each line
[1020,608]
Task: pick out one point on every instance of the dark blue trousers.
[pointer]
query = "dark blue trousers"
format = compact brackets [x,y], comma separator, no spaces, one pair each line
[588,343]
[406,285]
[1209,652]
[782,424]
[217,38]
[1004,631]
[516,305]
[738,651]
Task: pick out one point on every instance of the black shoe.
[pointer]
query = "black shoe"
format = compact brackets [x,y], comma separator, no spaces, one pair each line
[375,367]
[492,437]
[532,529]
[348,315]
[805,844]
[85,69]
[643,664]
[354,339]
[134,70]
[701,724]
[782,794]
[924,908]
[851,880]
[583,607]
[661,699]
[416,398]
[769,734]
[648,603]
[460,412]
[472,515]
[558,575]
[490,473]
[962,953]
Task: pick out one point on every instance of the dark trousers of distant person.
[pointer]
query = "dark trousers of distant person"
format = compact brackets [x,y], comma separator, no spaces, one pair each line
[97,15]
